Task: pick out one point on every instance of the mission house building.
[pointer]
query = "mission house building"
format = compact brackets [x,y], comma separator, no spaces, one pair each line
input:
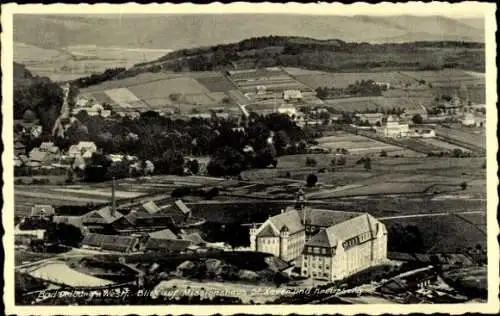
[325,244]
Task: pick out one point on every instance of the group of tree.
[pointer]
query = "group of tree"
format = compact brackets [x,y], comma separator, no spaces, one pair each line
[93,79]
[363,88]
[329,55]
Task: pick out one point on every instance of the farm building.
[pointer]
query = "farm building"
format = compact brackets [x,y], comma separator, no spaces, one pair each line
[345,248]
[288,109]
[42,211]
[39,157]
[141,221]
[409,281]
[292,95]
[162,234]
[24,237]
[110,242]
[393,128]
[371,118]
[19,149]
[49,147]
[471,120]
[82,149]
[101,219]
[166,245]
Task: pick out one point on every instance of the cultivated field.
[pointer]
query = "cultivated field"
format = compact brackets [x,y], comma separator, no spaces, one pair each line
[472,136]
[446,77]
[360,145]
[78,61]
[342,80]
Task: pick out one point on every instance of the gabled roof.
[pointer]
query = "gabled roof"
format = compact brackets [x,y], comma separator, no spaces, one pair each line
[41,209]
[37,155]
[290,218]
[182,207]
[110,242]
[194,238]
[322,239]
[353,227]
[150,207]
[101,216]
[267,232]
[322,217]
[163,234]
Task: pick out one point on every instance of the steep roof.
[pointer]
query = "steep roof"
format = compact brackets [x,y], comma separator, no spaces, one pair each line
[322,239]
[37,155]
[267,232]
[353,227]
[194,238]
[322,217]
[289,218]
[182,207]
[326,218]
[101,216]
[163,234]
[150,207]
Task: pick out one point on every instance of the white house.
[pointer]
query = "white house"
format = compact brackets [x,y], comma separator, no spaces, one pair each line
[393,128]
[292,95]
[288,109]
[82,149]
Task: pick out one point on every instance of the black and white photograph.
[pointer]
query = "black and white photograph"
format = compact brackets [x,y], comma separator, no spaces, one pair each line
[189,157]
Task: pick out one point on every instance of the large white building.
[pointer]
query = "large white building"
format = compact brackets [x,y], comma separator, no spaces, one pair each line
[392,128]
[325,244]
[345,248]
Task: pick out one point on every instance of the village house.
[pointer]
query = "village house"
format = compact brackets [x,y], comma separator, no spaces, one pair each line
[393,128]
[38,157]
[19,148]
[101,219]
[25,236]
[345,248]
[82,149]
[292,95]
[42,211]
[114,243]
[372,118]
[49,147]
[288,109]
[473,120]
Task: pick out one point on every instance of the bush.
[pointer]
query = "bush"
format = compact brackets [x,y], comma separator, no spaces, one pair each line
[311,180]
[383,153]
[311,162]
[463,185]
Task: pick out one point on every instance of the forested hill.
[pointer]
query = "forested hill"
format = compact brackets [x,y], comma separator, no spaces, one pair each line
[327,55]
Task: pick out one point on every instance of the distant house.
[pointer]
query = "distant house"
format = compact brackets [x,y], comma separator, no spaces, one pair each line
[42,211]
[292,95]
[287,109]
[166,245]
[393,128]
[49,147]
[162,234]
[371,118]
[471,120]
[115,243]
[142,221]
[40,157]
[86,149]
[24,237]
[101,219]
[19,148]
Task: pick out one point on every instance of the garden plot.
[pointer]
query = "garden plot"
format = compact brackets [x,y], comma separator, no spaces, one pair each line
[355,144]
[442,144]
[216,83]
[342,80]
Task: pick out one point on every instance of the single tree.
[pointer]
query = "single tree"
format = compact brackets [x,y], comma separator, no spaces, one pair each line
[311,180]
[417,119]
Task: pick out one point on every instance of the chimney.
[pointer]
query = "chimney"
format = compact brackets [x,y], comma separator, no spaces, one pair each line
[113,199]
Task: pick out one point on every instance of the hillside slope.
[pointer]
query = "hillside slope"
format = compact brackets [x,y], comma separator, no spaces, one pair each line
[186,31]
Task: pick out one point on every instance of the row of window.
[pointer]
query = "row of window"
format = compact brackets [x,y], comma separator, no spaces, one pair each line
[313,265]
[314,274]
[316,250]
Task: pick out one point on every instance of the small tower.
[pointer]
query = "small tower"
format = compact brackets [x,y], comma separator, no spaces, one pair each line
[253,237]
[284,233]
